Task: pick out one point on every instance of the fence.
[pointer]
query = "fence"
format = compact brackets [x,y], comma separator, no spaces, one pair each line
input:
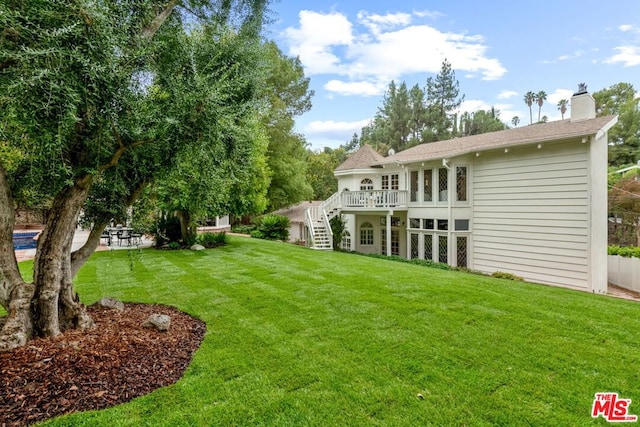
[624,272]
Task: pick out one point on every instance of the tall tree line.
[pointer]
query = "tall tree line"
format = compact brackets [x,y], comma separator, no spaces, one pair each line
[413,116]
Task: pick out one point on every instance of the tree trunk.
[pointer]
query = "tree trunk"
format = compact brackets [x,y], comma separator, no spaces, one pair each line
[186,230]
[15,294]
[56,306]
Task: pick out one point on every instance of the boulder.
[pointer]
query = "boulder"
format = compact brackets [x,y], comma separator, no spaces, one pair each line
[197,247]
[161,322]
[108,302]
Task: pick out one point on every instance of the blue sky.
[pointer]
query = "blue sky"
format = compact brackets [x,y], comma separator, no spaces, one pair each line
[498,49]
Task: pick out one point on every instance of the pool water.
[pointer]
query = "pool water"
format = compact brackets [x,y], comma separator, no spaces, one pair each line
[24,240]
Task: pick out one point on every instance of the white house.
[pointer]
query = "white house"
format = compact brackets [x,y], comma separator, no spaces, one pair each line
[531,201]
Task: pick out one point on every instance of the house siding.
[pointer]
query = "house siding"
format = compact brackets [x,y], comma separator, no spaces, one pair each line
[531,213]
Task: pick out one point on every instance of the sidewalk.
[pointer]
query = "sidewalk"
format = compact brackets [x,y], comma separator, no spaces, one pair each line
[79,239]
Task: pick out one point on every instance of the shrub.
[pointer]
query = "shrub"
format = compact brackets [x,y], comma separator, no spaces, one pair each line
[243,229]
[273,227]
[212,240]
[173,245]
[624,251]
[508,276]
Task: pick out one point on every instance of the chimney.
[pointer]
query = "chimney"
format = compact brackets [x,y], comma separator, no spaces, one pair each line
[583,106]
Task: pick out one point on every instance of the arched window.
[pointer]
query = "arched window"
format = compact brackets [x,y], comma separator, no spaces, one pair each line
[366,234]
[366,185]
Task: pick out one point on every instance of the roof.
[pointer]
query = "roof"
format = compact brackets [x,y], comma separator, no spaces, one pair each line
[537,133]
[295,213]
[361,159]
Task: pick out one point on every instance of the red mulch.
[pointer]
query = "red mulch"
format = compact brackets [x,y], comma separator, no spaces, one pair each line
[110,364]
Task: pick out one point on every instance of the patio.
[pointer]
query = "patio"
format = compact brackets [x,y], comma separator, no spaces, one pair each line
[79,239]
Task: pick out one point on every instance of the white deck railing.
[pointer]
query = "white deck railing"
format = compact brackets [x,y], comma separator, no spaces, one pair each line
[373,199]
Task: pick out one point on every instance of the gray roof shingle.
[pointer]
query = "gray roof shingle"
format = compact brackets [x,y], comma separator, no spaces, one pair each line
[361,159]
[537,133]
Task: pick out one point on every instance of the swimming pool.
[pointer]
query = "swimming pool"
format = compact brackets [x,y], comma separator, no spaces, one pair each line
[24,240]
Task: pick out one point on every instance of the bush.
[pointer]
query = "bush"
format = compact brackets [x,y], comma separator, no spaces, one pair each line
[508,276]
[272,227]
[625,251]
[212,240]
[243,229]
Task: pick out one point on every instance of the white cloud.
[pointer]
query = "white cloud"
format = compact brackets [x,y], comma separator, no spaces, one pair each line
[378,23]
[313,43]
[362,88]
[380,48]
[629,56]
[626,27]
[557,95]
[506,94]
[428,14]
[331,129]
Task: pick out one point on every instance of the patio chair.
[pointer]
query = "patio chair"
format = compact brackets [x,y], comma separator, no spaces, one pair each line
[107,236]
[124,235]
[136,238]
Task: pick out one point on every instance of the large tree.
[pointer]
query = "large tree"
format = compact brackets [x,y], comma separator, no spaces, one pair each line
[624,137]
[541,96]
[286,95]
[86,99]
[529,99]
[443,98]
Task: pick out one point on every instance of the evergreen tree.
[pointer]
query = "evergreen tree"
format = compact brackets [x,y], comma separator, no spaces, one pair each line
[442,100]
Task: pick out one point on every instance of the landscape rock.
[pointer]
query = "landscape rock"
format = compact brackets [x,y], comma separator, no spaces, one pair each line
[197,247]
[161,322]
[108,302]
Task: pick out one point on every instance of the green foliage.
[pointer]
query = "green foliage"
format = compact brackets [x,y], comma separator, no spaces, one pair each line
[320,167]
[93,91]
[624,137]
[481,121]
[410,117]
[505,275]
[166,230]
[413,261]
[243,229]
[272,227]
[625,251]
[212,240]
[338,224]
[287,95]
[173,245]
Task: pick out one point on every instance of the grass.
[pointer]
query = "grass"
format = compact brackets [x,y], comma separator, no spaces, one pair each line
[298,337]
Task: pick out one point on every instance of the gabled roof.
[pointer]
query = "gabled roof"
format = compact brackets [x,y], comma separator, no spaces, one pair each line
[361,159]
[537,133]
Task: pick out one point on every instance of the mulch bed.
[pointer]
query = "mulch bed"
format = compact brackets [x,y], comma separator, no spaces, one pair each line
[110,364]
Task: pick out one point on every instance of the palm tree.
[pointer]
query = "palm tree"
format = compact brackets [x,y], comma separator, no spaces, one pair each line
[529,97]
[540,98]
[562,106]
[515,121]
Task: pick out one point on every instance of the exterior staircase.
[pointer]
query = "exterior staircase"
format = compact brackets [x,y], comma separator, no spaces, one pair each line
[317,222]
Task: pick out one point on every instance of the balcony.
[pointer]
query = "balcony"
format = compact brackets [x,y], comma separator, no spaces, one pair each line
[373,200]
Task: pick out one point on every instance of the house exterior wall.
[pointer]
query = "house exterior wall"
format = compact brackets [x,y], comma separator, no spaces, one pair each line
[531,213]
[537,211]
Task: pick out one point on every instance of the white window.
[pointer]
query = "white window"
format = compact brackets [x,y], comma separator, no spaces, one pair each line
[366,185]
[346,241]
[366,234]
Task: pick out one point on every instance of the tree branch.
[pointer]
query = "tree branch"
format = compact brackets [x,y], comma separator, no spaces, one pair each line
[155,25]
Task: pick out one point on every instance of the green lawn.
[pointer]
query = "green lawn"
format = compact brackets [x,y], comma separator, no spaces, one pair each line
[298,337]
